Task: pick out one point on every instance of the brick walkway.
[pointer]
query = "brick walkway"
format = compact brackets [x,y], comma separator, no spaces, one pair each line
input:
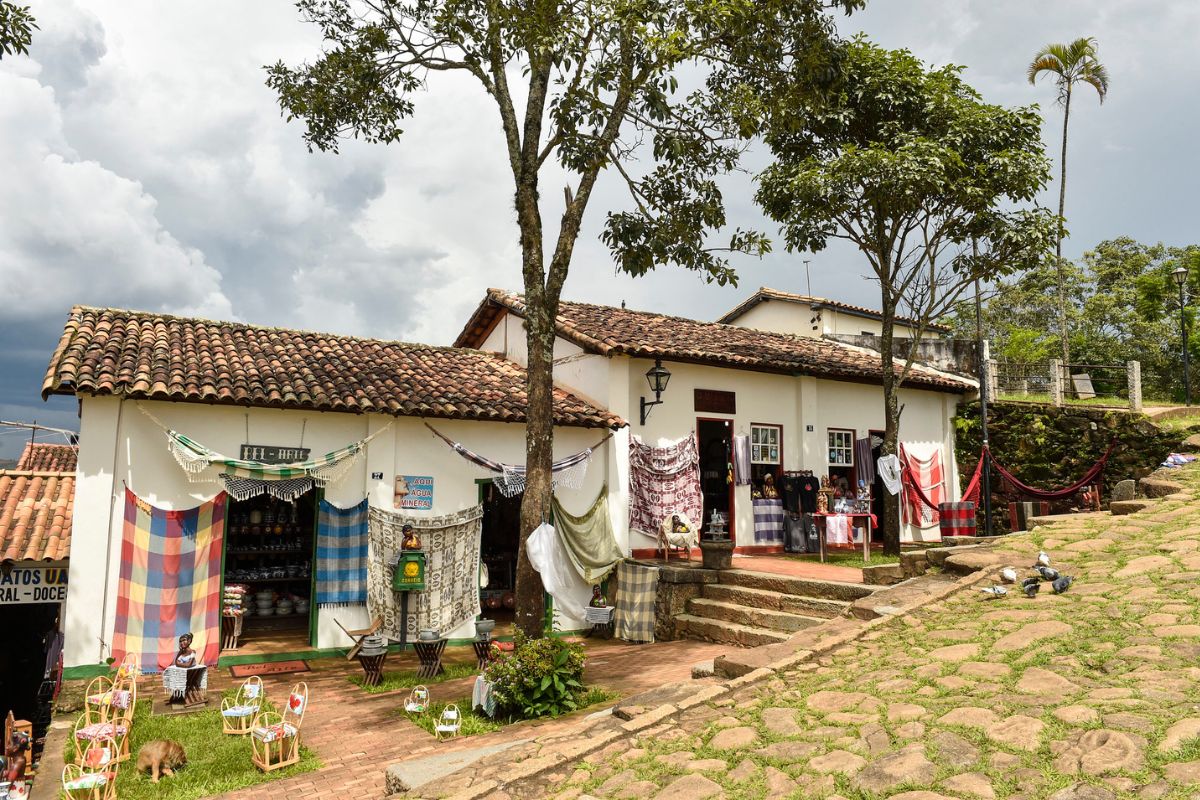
[1088,694]
[358,735]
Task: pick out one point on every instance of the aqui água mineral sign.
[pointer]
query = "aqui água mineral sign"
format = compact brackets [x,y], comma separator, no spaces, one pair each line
[33,585]
[273,454]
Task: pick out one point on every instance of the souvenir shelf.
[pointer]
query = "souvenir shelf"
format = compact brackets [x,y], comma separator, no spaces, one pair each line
[269,549]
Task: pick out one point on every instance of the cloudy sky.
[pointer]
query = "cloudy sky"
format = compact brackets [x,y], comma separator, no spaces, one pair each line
[145,165]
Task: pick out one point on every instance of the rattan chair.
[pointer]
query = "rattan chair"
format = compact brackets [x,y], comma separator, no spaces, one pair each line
[81,784]
[275,737]
[238,712]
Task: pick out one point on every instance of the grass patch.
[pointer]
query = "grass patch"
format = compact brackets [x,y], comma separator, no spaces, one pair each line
[394,680]
[842,558]
[216,763]
[472,724]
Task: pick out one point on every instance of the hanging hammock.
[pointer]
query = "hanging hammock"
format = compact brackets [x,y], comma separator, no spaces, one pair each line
[568,472]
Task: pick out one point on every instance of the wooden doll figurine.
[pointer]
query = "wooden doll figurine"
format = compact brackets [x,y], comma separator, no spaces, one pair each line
[410,541]
[186,657]
[597,600]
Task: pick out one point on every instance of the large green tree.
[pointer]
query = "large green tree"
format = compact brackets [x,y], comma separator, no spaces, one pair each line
[1123,305]
[1068,65]
[588,88]
[16,29]
[912,167]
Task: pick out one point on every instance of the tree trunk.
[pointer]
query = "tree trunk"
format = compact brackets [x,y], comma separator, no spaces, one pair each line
[1058,260]
[539,448]
[891,410]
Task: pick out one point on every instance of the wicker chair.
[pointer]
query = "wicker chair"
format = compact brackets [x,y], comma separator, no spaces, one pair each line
[275,738]
[94,730]
[81,784]
[238,712]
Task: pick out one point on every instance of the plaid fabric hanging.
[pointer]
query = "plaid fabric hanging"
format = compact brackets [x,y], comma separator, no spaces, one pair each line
[170,581]
[637,593]
[342,554]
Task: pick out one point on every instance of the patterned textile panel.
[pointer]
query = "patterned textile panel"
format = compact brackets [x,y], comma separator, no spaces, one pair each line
[342,554]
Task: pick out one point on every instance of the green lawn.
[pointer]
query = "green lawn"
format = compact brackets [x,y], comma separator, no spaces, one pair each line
[843,558]
[474,724]
[216,763]
[1044,399]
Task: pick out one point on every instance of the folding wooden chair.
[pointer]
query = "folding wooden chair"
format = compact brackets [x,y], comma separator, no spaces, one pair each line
[275,738]
[359,635]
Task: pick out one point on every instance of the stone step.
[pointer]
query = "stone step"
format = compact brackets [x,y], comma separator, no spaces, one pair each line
[786,584]
[715,630]
[748,615]
[765,598]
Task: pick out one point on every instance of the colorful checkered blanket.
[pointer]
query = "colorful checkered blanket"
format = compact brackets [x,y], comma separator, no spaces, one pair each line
[170,581]
[342,554]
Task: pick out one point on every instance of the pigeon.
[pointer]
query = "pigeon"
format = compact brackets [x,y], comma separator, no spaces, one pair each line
[1008,575]
[1031,581]
[1043,559]
[1061,584]
[995,591]
[1047,573]
[1031,589]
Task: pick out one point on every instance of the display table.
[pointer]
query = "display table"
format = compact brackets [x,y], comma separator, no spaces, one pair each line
[601,618]
[372,667]
[187,686]
[768,521]
[483,653]
[867,520]
[430,655]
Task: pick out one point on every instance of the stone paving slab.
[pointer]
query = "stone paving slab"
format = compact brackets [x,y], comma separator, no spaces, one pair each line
[1091,694]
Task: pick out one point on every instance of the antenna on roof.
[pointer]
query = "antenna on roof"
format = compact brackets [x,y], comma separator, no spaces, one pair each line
[808,277]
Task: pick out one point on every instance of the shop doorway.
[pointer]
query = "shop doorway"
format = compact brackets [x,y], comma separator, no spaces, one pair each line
[499,545]
[715,437]
[269,548]
[27,681]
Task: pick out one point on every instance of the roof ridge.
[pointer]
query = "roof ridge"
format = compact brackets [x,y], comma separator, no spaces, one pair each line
[276,328]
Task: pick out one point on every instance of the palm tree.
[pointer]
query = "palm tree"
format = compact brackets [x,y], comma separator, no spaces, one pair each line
[1070,64]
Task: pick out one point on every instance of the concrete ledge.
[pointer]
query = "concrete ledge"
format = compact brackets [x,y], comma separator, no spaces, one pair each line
[883,574]
[1159,487]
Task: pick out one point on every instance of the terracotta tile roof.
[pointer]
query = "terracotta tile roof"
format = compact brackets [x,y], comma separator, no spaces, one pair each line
[35,515]
[143,355]
[765,293]
[45,457]
[611,331]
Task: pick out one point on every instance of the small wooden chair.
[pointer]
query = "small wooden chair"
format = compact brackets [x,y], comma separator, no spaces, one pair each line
[418,700]
[80,784]
[131,667]
[238,712]
[359,635]
[90,734]
[275,738]
[449,724]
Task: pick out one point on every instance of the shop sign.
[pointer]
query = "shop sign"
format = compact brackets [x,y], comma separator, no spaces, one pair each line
[274,454]
[33,585]
[414,491]
[714,401]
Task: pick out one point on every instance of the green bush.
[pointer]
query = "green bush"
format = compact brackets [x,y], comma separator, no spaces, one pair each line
[540,678]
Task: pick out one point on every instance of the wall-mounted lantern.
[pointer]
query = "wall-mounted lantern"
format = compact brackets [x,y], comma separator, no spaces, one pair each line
[657,376]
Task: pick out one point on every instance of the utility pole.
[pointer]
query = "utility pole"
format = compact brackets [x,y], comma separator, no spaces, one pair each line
[986,488]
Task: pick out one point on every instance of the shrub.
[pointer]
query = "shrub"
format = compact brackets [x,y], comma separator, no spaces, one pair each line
[541,677]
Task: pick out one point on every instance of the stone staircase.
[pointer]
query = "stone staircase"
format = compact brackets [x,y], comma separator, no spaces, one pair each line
[749,609]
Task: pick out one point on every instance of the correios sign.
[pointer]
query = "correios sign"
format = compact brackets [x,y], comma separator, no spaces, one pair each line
[33,585]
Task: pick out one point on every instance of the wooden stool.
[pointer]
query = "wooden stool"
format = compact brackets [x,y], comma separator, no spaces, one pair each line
[430,655]
[373,667]
[483,653]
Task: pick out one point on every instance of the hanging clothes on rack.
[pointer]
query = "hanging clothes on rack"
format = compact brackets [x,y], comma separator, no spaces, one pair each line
[741,460]
[864,460]
[923,478]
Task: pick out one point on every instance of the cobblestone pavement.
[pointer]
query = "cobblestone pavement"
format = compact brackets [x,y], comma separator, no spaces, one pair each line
[1086,695]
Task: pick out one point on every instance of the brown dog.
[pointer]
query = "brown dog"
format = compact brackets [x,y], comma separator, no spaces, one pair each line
[161,756]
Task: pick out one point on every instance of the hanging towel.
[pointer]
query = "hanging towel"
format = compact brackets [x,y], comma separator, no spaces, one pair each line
[562,582]
[663,481]
[866,464]
[342,554]
[170,582]
[889,470]
[741,460]
[637,593]
[588,538]
[451,595]
[922,466]
[837,529]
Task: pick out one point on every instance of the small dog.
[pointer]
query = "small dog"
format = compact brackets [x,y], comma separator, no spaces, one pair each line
[161,756]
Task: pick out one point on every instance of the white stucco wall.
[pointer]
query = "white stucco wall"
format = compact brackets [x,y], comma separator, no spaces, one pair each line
[119,446]
[785,316]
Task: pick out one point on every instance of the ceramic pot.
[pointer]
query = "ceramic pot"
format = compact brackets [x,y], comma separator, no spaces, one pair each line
[428,635]
[484,627]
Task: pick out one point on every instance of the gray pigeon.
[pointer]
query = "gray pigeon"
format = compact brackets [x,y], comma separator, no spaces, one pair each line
[1008,575]
[1047,573]
[995,591]
[1043,559]
[1031,589]
[1034,581]
[1063,583]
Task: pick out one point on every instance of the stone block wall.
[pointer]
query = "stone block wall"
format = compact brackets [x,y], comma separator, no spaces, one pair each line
[676,585]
